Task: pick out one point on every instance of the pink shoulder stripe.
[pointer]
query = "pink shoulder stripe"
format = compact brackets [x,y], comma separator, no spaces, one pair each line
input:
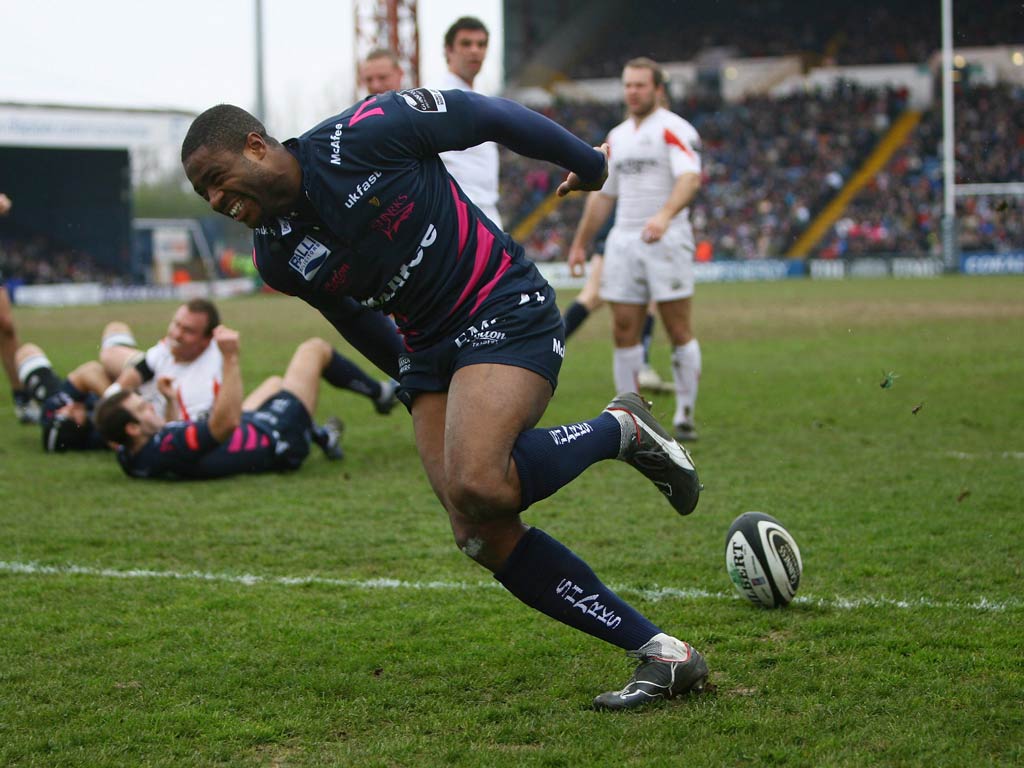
[463,215]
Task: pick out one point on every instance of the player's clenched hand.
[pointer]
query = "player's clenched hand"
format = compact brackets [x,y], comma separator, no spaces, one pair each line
[573,182]
[577,258]
[227,340]
[654,228]
[165,386]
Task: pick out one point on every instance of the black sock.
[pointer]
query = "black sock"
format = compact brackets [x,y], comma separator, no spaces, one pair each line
[550,578]
[319,435]
[574,317]
[344,374]
[550,457]
[645,339]
[41,383]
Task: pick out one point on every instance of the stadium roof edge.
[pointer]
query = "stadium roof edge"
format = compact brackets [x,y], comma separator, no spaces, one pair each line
[166,111]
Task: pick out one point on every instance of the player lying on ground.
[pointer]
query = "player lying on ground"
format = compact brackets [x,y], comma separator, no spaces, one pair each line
[66,405]
[270,430]
[180,374]
[362,206]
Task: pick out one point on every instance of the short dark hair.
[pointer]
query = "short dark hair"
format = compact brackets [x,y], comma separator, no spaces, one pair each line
[471,23]
[224,126]
[112,418]
[642,62]
[208,308]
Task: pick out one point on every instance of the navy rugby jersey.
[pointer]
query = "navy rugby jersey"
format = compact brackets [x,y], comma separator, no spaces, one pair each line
[186,449]
[384,222]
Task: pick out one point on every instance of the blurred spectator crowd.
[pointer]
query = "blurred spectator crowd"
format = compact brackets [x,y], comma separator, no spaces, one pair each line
[770,165]
[39,260]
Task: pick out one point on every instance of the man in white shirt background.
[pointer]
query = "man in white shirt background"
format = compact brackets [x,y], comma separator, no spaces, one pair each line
[381,71]
[654,172]
[476,168]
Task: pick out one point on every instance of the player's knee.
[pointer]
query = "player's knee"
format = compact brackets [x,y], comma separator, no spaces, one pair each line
[478,497]
[315,345]
[114,328]
[470,542]
[26,351]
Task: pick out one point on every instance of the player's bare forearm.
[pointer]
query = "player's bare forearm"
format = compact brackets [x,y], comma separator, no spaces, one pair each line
[227,408]
[683,193]
[129,379]
[596,211]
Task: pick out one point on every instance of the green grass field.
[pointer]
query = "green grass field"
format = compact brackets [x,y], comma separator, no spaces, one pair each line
[325,618]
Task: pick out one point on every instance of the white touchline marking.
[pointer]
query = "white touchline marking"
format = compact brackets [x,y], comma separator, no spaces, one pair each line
[653,594]
[986,455]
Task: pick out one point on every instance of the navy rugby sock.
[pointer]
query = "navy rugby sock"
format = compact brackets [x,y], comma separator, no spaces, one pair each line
[645,338]
[344,374]
[547,459]
[574,317]
[550,578]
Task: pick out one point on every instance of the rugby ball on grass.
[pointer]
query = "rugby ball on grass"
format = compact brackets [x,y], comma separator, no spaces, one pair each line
[763,560]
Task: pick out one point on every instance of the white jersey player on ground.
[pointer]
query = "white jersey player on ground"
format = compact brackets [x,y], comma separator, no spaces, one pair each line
[654,172]
[184,365]
[476,168]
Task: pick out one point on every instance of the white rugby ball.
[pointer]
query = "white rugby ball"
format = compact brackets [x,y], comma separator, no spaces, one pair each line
[763,560]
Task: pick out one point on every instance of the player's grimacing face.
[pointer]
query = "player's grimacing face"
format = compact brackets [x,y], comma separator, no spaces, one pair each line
[639,91]
[186,335]
[466,56]
[380,75]
[150,422]
[233,183]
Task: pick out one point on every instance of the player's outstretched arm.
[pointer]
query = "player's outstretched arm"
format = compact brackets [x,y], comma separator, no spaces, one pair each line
[531,134]
[227,408]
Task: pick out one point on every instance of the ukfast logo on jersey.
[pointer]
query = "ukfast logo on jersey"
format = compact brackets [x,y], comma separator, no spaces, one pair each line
[425,100]
[362,188]
[308,257]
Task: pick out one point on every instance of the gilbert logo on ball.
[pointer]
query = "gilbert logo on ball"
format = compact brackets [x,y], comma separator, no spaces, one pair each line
[763,560]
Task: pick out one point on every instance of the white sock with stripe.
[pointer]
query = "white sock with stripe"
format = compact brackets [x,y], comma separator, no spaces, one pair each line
[686,376]
[626,365]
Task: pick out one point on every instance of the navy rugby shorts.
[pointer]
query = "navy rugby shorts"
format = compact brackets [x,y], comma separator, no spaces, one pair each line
[285,419]
[522,329]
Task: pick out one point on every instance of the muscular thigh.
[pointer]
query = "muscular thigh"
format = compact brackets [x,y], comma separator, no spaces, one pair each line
[488,407]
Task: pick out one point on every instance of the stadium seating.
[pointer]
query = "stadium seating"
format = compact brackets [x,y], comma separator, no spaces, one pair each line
[770,165]
[41,259]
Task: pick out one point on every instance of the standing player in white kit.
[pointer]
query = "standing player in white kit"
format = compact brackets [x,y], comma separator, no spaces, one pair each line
[476,168]
[654,171]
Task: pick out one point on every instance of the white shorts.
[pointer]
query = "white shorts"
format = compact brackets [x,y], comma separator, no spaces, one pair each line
[636,272]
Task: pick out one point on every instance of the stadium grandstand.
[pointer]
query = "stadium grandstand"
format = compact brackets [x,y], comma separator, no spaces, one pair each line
[822,130]
[822,127]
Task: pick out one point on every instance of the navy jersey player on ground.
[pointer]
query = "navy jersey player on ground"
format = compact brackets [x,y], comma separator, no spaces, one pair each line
[362,206]
[270,430]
